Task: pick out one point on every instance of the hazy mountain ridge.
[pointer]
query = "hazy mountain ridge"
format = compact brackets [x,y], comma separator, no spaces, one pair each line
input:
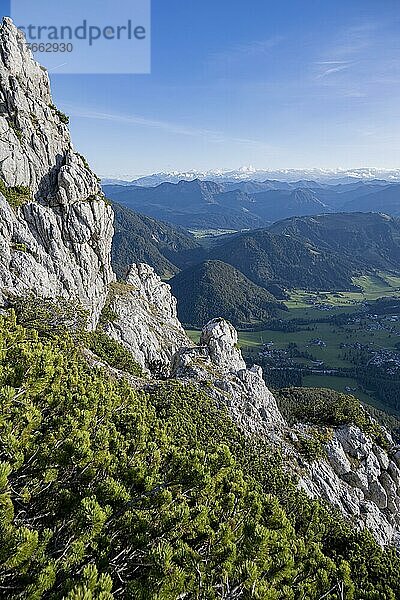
[385,200]
[195,204]
[199,204]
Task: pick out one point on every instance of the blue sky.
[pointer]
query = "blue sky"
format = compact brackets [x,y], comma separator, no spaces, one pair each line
[289,84]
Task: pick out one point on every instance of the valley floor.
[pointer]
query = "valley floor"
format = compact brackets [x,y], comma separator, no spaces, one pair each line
[346,341]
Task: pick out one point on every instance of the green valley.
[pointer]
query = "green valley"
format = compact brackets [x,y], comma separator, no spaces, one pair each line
[345,341]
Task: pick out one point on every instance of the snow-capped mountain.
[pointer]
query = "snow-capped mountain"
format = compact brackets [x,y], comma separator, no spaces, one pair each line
[252,174]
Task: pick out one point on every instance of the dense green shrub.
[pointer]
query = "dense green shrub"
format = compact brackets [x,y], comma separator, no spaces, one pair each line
[113,353]
[16,196]
[50,317]
[327,408]
[106,493]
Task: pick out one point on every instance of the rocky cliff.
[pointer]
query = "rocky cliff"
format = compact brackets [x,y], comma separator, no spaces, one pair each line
[55,228]
[55,240]
[145,320]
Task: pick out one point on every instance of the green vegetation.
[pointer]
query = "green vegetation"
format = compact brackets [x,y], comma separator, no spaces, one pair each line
[50,317]
[370,287]
[106,493]
[85,162]
[325,340]
[142,239]
[327,408]
[34,120]
[214,288]
[113,353]
[63,117]
[20,247]
[309,445]
[267,258]
[16,196]
[17,130]
[367,243]
[338,384]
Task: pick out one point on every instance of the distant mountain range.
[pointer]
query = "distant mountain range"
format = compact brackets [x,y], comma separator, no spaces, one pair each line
[195,204]
[243,276]
[251,174]
[239,205]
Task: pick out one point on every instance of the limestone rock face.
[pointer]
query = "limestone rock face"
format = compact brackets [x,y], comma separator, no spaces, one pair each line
[221,339]
[361,480]
[217,360]
[58,243]
[147,322]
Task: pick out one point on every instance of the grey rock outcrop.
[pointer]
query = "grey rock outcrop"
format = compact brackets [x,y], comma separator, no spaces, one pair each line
[243,391]
[58,242]
[221,339]
[355,474]
[146,320]
[361,479]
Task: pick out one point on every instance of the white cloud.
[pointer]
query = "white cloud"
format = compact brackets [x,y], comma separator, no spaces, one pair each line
[209,135]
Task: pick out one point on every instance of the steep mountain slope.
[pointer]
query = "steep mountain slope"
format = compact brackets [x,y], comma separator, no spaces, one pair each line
[267,258]
[140,239]
[55,229]
[213,289]
[120,484]
[366,241]
[385,200]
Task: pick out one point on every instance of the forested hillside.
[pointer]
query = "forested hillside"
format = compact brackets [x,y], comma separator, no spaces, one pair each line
[141,239]
[214,288]
[365,241]
[267,258]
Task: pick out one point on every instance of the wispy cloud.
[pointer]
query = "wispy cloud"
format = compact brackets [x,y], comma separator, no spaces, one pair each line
[355,59]
[340,66]
[209,135]
[239,53]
